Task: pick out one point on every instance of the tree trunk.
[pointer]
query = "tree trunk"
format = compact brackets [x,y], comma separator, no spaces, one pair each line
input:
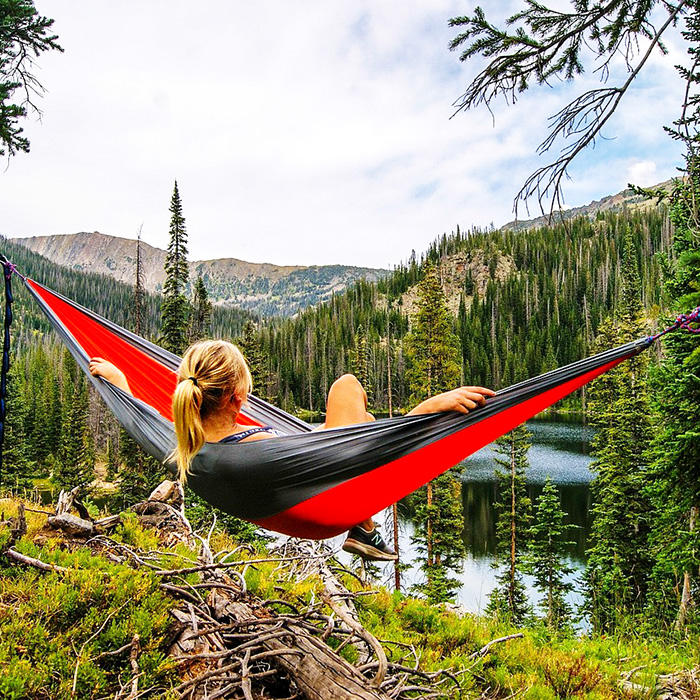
[512,524]
[686,595]
[397,570]
[429,524]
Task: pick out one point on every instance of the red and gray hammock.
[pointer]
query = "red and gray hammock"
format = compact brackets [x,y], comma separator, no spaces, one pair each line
[306,484]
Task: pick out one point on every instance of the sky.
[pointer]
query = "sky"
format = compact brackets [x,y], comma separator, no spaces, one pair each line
[300,133]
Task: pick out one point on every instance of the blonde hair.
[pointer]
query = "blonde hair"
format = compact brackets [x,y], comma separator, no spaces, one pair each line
[211,371]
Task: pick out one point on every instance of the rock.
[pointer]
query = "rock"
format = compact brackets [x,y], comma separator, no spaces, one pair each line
[71,524]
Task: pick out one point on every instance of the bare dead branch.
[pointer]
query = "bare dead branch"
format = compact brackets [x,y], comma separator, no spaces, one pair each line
[36,563]
[487,647]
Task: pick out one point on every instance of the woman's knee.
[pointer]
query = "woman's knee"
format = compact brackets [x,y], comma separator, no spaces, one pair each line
[347,381]
[348,386]
[347,402]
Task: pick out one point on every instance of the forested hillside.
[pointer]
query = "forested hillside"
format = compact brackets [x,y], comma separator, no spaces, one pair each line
[525,302]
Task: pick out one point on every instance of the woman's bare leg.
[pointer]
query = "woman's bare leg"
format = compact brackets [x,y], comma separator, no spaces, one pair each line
[347,405]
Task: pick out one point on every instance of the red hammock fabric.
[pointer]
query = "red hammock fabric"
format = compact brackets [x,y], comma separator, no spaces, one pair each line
[149,380]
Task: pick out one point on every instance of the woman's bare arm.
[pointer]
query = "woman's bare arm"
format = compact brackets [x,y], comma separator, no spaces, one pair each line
[462,400]
[106,370]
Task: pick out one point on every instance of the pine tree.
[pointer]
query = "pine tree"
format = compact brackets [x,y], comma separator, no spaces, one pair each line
[200,319]
[676,493]
[439,522]
[619,563]
[508,600]
[432,348]
[16,466]
[249,345]
[361,366]
[434,359]
[174,306]
[75,466]
[545,559]
[138,308]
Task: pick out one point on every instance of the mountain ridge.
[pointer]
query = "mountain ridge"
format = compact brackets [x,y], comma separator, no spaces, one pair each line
[262,288]
[627,198]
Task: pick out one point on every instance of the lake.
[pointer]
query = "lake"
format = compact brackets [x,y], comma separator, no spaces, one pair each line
[561,450]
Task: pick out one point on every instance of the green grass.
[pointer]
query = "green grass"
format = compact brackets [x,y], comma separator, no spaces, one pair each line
[56,629]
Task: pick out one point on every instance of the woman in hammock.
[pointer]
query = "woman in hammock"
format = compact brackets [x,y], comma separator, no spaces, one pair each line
[213,383]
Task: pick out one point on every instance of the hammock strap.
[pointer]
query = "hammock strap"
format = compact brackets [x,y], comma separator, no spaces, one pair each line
[5,368]
[683,321]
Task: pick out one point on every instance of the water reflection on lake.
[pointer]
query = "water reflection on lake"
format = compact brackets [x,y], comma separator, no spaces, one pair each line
[560,450]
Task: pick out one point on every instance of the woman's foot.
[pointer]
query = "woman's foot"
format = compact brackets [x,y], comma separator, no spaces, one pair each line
[368,545]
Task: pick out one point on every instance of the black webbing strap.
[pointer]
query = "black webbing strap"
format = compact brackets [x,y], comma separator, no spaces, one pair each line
[9,268]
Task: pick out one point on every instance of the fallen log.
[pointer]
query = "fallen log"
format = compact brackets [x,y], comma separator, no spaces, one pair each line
[36,563]
[318,672]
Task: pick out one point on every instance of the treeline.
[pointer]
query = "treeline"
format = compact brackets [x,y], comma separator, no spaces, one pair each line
[528,301]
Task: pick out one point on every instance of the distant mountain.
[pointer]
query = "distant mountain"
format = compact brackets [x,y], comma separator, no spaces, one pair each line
[261,288]
[627,199]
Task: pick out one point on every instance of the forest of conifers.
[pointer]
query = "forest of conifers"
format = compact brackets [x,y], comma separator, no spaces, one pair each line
[561,281]
[525,302]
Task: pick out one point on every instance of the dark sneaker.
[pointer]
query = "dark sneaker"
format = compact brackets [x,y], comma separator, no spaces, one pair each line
[368,545]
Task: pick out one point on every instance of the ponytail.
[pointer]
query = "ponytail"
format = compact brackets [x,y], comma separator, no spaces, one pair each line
[187,401]
[210,372]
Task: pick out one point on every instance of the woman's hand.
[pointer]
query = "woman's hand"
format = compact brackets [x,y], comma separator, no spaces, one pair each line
[462,400]
[102,368]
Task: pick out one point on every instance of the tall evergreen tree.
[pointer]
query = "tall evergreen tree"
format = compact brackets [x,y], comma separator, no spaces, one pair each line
[432,348]
[138,308]
[75,466]
[361,365]
[439,522]
[434,358]
[676,493]
[618,563]
[16,467]
[545,559]
[174,305]
[200,318]
[508,600]
[249,345]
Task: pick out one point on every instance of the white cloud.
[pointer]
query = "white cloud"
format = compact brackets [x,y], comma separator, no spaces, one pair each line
[643,173]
